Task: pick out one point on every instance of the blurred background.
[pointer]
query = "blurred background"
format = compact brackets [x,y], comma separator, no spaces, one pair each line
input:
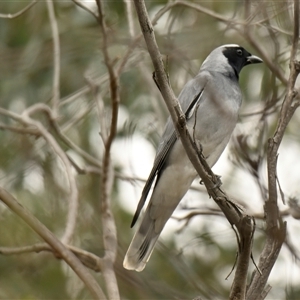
[195,253]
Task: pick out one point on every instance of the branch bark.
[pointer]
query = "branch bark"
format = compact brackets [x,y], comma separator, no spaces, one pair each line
[108,222]
[56,57]
[19,13]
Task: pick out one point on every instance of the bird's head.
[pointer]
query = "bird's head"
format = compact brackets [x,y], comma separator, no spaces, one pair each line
[230,57]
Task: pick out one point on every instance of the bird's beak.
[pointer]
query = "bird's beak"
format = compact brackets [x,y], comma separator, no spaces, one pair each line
[252,59]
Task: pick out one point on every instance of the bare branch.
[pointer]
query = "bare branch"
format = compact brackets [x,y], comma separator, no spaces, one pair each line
[13,116]
[20,130]
[19,13]
[56,57]
[72,145]
[276,228]
[73,194]
[88,259]
[246,231]
[108,222]
[246,33]
[129,14]
[56,245]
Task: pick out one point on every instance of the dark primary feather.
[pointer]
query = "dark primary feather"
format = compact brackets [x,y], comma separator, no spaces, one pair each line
[161,158]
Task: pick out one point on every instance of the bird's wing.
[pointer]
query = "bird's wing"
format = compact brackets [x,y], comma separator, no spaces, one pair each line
[189,99]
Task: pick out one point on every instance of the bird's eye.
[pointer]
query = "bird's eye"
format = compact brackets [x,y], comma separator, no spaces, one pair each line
[239,52]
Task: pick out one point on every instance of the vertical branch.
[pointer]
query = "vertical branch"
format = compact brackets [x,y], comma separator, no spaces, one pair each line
[128,4]
[108,222]
[19,13]
[275,227]
[73,193]
[56,57]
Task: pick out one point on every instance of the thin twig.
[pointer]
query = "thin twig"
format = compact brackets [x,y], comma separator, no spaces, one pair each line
[88,259]
[20,130]
[79,3]
[108,222]
[89,158]
[56,57]
[100,109]
[276,228]
[235,24]
[19,13]
[246,229]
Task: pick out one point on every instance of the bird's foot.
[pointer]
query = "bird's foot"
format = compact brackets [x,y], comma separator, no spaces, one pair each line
[216,180]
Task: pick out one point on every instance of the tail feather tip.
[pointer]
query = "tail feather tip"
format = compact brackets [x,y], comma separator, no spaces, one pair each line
[130,264]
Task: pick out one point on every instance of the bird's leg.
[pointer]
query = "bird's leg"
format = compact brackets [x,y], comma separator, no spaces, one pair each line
[216,180]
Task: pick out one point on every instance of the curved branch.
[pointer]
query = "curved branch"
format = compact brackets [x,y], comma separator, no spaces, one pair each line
[54,242]
[88,259]
[108,222]
[19,13]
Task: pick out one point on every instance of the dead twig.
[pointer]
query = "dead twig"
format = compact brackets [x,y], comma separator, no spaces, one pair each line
[88,259]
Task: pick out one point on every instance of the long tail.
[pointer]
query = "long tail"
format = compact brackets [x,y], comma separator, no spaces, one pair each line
[142,244]
[172,185]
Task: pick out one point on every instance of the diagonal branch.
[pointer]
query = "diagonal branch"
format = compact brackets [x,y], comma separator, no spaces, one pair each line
[88,259]
[54,242]
[19,13]
[56,57]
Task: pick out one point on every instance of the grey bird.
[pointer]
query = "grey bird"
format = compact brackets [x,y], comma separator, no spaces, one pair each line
[211,103]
